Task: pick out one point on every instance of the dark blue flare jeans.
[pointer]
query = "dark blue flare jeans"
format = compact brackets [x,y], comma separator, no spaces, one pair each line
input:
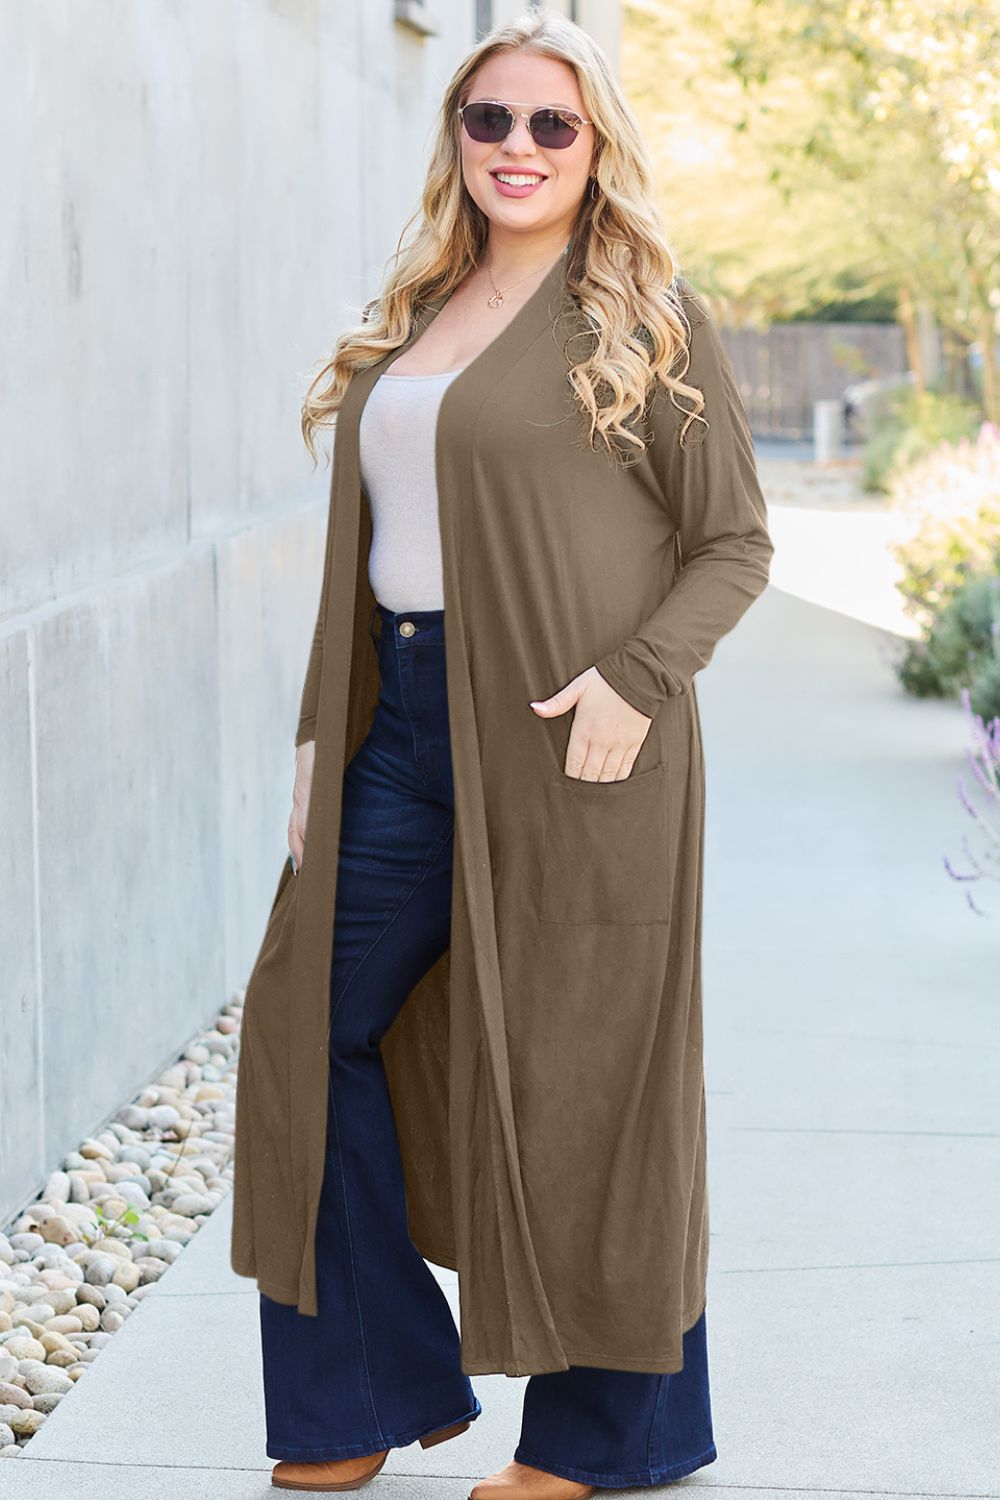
[380,1365]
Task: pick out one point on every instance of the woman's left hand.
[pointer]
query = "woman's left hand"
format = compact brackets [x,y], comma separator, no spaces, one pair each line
[606,734]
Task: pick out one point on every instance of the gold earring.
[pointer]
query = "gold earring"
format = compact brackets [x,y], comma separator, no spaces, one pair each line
[593,185]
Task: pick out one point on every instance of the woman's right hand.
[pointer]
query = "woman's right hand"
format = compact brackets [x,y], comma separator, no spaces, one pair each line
[305,755]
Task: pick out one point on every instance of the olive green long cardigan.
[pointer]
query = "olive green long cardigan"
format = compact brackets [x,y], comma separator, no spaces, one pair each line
[546,1074]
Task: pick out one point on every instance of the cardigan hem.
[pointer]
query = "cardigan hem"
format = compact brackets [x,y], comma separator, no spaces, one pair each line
[596,1360]
[577,1357]
[437,1260]
[270,1289]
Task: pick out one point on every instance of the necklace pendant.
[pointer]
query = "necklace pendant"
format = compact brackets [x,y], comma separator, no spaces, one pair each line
[496,300]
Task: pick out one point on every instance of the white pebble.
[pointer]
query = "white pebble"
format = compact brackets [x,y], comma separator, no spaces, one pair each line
[88,1316]
[164,1117]
[137,1154]
[40,1313]
[99,1269]
[190,1204]
[46,1378]
[127,1276]
[134,1116]
[27,1423]
[173,1078]
[24,1348]
[47,1401]
[63,1300]
[95,1150]
[57,1187]
[65,1274]
[116,1248]
[151,1268]
[58,1230]
[133,1195]
[29,1241]
[66,1323]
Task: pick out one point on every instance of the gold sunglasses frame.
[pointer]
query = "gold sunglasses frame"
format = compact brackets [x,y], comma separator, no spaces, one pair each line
[519,114]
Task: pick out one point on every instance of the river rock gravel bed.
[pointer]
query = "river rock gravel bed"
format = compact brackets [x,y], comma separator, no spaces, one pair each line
[110,1220]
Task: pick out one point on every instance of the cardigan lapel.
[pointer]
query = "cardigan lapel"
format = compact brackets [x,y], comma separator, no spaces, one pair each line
[536,315]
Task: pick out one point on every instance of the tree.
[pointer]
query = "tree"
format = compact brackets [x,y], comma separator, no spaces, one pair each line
[843,145]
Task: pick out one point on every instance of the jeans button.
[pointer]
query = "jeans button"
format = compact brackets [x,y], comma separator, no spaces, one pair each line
[407,627]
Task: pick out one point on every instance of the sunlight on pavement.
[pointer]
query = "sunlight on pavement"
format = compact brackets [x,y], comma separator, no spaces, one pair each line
[831,541]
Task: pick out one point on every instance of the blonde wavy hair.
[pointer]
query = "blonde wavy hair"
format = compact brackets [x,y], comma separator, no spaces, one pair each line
[621,272]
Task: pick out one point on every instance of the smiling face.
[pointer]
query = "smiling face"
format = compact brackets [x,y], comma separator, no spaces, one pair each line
[550,201]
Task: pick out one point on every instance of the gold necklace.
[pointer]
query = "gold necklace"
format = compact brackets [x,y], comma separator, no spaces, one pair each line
[497,299]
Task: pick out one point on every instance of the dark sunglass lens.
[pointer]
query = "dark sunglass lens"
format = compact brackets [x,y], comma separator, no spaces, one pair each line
[488,123]
[553,128]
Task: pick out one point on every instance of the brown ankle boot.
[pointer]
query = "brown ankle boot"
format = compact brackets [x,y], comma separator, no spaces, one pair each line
[331,1474]
[346,1473]
[517,1481]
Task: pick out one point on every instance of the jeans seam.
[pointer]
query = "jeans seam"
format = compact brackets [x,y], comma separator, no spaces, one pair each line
[394,917]
[409,719]
[655,1420]
[354,1276]
[333,1105]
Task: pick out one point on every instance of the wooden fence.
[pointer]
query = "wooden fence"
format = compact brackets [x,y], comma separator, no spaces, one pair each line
[784,369]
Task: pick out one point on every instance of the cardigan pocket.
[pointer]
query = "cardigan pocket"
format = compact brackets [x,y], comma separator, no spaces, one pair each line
[609,849]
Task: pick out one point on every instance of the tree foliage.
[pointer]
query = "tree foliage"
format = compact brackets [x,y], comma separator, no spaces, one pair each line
[811,150]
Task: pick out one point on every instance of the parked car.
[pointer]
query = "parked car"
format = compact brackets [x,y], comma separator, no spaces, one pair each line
[865,399]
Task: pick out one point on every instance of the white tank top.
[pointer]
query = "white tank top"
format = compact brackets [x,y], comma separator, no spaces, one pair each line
[396,450]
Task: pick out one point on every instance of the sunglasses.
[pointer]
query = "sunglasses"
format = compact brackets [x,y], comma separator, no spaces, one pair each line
[490,122]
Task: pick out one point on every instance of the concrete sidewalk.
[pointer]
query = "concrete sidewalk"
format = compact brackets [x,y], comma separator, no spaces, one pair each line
[852,1072]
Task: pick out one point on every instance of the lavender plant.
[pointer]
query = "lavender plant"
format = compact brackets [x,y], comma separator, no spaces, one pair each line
[983,755]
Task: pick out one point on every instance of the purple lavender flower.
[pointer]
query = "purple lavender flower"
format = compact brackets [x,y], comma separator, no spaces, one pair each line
[983,755]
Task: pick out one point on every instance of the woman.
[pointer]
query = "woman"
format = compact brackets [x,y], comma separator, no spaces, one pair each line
[473,1034]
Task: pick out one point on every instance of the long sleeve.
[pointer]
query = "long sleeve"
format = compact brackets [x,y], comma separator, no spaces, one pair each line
[711,491]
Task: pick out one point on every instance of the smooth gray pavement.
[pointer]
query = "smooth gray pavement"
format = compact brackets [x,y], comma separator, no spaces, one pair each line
[852,1050]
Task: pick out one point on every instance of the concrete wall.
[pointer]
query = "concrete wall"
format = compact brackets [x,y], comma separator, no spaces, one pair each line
[193,206]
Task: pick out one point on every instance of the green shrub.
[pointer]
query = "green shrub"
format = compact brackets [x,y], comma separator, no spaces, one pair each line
[984,689]
[914,424]
[959,648]
[946,508]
